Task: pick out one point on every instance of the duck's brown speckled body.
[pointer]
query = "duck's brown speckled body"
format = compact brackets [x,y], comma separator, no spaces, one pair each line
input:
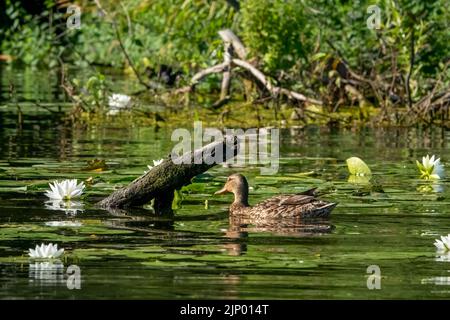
[304,204]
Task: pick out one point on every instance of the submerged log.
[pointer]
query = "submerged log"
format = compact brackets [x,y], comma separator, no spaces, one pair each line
[161,181]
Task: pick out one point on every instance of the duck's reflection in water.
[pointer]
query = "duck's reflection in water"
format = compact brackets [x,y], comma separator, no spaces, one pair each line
[236,234]
[240,228]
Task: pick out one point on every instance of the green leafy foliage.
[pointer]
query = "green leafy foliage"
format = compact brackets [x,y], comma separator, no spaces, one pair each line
[92,93]
[277,31]
[310,46]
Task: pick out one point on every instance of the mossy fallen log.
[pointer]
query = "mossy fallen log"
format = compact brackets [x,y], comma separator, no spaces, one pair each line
[161,181]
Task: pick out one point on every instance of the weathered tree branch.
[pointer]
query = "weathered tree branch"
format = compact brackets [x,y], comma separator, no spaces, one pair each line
[160,182]
[200,75]
[234,45]
[228,36]
[411,66]
[273,89]
[226,80]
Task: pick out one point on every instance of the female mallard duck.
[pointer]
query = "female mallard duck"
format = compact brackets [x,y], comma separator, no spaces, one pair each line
[303,204]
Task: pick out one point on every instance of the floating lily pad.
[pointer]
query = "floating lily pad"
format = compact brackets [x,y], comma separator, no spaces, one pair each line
[357,167]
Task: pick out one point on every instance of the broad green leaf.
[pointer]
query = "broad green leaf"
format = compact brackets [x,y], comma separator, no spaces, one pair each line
[357,167]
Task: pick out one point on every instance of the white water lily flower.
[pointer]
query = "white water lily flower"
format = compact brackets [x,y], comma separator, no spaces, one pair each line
[119,101]
[431,168]
[155,163]
[443,244]
[44,251]
[65,190]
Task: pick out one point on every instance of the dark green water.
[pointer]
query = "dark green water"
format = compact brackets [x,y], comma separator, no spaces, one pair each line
[197,253]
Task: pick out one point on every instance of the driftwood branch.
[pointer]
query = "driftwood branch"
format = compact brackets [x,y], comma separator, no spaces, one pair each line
[215,69]
[274,90]
[226,79]
[160,182]
[411,66]
[202,74]
[228,36]
[233,44]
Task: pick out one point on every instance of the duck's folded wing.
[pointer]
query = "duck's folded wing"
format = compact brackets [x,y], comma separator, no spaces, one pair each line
[297,199]
[291,199]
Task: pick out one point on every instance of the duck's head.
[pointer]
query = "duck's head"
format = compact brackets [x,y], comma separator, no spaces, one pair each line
[238,185]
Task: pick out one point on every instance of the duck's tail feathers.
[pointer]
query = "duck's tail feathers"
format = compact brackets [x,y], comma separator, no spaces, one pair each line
[326,209]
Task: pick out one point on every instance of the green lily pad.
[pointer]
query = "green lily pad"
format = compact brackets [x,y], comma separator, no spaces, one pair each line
[358,167]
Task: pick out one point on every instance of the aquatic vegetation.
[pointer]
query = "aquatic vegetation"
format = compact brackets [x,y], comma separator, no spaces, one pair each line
[96,165]
[155,163]
[443,244]
[45,233]
[199,250]
[44,251]
[89,95]
[358,179]
[358,167]
[65,190]
[177,199]
[431,168]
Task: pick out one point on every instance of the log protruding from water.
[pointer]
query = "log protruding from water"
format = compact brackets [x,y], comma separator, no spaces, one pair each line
[173,173]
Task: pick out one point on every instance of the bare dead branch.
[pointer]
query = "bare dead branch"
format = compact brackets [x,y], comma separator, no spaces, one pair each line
[229,36]
[274,90]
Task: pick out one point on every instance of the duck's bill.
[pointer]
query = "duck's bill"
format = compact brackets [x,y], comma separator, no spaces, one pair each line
[221,191]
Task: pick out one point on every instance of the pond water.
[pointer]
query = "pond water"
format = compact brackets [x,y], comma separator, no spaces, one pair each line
[390,222]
